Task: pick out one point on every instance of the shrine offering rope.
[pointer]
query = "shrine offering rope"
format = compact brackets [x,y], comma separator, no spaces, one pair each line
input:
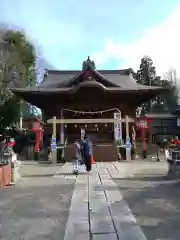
[96,112]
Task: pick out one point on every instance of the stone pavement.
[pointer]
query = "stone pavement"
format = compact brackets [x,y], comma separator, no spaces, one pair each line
[97,209]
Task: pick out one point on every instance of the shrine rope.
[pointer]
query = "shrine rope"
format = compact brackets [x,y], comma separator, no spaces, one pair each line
[96,112]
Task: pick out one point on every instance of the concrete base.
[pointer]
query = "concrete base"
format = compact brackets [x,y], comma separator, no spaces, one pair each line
[15,172]
[36,156]
[54,156]
[173,170]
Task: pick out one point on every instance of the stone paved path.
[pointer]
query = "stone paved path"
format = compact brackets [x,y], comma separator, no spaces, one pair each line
[97,209]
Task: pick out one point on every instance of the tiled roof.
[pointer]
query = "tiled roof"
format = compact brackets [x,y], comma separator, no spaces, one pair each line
[120,78]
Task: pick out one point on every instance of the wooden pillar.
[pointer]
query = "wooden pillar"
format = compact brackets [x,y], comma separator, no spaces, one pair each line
[54,127]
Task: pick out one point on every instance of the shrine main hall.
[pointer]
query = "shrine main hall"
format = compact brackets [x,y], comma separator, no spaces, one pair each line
[87,93]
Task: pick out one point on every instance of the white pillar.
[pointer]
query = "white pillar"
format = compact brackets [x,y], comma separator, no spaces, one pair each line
[128,147]
[21,122]
[21,117]
[62,130]
[53,143]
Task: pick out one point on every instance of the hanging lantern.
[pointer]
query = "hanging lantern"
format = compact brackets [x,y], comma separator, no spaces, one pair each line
[75,125]
[86,126]
[97,129]
[106,125]
[65,126]
[95,125]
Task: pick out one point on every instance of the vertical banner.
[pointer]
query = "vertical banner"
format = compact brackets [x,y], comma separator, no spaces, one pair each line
[117,127]
[83,132]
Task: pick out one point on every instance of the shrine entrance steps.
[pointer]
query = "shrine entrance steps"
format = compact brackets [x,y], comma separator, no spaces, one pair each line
[105,152]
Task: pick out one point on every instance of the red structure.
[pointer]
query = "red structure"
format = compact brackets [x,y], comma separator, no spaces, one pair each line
[38,130]
[142,124]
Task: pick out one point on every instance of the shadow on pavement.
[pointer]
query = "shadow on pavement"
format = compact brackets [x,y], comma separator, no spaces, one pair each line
[37,175]
[71,173]
[146,178]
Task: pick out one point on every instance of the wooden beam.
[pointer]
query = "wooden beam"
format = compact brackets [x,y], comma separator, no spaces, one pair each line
[91,120]
[54,126]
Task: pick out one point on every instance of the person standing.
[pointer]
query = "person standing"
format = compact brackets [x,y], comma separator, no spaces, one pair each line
[87,153]
[77,158]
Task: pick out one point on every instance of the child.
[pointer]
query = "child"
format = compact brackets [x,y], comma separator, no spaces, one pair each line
[77,158]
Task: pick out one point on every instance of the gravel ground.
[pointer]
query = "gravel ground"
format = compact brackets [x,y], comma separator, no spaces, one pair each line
[153,199]
[37,207]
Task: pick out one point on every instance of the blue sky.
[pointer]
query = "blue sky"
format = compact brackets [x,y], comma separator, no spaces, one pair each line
[68,31]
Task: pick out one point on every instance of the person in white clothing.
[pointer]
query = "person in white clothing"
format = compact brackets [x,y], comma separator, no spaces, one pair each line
[77,158]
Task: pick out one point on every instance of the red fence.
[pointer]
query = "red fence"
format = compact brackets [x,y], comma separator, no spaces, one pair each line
[5,175]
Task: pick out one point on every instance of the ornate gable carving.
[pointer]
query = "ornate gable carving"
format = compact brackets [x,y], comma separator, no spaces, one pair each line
[88,64]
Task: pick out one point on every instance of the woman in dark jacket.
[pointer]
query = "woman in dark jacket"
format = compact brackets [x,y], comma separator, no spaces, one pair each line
[86,153]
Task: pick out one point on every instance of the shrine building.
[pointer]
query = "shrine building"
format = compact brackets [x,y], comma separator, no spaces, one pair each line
[87,93]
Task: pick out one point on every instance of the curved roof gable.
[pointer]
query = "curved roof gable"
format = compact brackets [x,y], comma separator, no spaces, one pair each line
[109,78]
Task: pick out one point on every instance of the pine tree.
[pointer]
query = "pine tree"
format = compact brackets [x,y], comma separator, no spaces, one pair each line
[146,75]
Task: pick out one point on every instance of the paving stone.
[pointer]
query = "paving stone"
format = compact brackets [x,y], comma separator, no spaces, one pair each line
[113,196]
[100,218]
[78,211]
[129,231]
[80,195]
[124,169]
[125,222]
[77,226]
[78,230]
[98,204]
[109,236]
[101,226]
[100,215]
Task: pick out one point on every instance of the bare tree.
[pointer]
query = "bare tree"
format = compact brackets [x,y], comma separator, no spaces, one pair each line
[172,98]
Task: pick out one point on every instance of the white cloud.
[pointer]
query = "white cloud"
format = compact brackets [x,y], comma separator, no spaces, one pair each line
[161,43]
